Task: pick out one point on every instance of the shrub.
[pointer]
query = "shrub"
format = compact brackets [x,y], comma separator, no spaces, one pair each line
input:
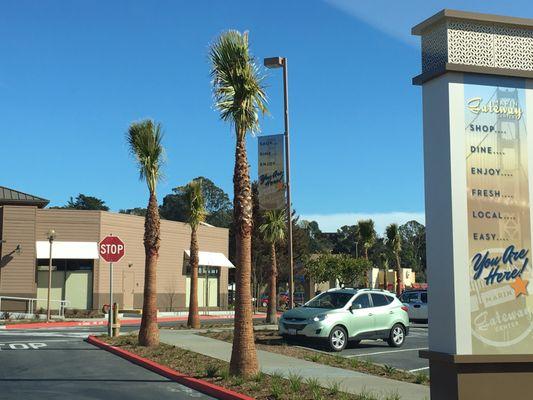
[389,370]
[334,388]
[211,370]
[421,378]
[295,382]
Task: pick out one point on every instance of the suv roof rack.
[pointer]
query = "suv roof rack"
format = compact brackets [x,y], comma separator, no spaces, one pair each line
[340,288]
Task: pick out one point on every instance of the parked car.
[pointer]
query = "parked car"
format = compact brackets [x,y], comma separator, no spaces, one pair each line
[283,299]
[341,315]
[417,303]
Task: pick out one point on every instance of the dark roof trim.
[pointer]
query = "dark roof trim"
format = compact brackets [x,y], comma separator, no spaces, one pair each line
[470,16]
[14,197]
[473,69]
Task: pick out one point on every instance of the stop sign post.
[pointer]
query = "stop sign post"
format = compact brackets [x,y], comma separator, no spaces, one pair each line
[111,249]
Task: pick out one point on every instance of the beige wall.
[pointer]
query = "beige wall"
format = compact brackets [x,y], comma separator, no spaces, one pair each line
[17,271]
[25,225]
[175,239]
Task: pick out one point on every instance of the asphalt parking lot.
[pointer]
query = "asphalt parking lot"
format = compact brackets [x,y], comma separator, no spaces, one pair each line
[50,364]
[379,352]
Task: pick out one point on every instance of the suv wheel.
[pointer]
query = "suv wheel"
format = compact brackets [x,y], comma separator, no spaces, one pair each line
[338,338]
[396,336]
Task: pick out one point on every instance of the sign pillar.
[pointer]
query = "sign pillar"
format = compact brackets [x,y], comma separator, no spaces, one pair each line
[477,87]
[110,312]
[111,249]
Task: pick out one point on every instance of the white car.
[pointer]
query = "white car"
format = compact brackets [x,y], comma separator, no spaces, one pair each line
[417,302]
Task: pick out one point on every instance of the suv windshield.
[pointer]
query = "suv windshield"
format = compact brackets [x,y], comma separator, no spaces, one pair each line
[330,300]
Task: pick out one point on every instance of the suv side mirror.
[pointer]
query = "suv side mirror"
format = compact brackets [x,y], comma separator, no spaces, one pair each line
[356,306]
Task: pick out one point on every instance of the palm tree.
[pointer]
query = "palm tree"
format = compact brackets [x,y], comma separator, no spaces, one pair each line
[240,97]
[385,265]
[393,241]
[367,235]
[195,215]
[273,231]
[144,141]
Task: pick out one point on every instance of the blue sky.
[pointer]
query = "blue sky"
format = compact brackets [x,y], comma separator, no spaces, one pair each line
[73,75]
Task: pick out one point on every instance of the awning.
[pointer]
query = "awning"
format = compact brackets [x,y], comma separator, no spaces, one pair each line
[209,259]
[68,250]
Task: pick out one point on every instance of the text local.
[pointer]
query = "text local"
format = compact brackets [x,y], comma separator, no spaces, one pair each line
[111,248]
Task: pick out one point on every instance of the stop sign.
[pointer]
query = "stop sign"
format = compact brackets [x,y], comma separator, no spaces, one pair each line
[111,249]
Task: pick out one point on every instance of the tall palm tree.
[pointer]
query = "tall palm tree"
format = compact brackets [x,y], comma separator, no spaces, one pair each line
[144,141]
[367,236]
[240,97]
[273,231]
[394,243]
[385,265]
[195,215]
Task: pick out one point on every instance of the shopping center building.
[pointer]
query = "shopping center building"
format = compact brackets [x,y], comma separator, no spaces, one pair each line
[80,278]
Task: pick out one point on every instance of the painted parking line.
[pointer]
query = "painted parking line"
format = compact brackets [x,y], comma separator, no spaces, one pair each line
[418,369]
[384,352]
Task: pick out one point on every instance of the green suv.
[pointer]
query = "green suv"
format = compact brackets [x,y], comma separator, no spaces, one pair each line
[339,315]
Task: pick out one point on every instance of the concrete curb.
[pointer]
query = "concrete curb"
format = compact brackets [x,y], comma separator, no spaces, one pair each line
[124,322]
[194,383]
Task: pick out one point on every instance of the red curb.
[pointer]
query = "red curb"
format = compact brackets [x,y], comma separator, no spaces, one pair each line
[128,322]
[194,383]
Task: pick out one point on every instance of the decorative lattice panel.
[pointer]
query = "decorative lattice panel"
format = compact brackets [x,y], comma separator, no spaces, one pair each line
[478,44]
[470,44]
[513,48]
[434,48]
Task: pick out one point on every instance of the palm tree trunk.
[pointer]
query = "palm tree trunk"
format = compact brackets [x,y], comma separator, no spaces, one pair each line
[149,331]
[243,354]
[193,320]
[398,276]
[272,311]
[385,282]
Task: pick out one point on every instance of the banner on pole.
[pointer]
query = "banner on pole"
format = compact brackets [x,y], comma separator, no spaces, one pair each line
[271,173]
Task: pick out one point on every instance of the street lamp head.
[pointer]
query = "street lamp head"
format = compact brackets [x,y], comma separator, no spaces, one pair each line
[51,235]
[274,62]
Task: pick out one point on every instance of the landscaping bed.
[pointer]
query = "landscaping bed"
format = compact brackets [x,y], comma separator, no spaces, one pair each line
[273,342]
[261,386]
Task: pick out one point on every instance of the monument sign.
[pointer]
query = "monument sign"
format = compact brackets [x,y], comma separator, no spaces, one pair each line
[477,84]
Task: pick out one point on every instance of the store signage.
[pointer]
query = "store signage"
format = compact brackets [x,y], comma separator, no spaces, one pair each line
[271,176]
[112,249]
[499,228]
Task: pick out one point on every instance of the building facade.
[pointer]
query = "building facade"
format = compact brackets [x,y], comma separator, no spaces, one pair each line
[80,278]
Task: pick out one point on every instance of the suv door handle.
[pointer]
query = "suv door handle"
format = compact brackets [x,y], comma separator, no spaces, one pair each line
[391,312]
[370,314]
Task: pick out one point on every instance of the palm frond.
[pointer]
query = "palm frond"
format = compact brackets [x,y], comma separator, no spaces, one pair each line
[273,229]
[392,237]
[195,203]
[144,140]
[237,82]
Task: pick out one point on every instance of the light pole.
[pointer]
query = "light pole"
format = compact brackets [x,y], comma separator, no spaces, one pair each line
[281,62]
[51,235]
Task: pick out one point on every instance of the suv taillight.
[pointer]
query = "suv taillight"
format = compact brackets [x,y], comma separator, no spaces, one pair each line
[405,308]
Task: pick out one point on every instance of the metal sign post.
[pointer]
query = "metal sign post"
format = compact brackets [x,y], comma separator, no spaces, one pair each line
[110,311]
[112,249]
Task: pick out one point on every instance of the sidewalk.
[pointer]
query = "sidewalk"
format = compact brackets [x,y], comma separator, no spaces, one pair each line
[350,381]
[125,321]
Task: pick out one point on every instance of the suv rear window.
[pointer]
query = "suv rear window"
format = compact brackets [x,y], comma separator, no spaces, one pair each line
[379,300]
[409,297]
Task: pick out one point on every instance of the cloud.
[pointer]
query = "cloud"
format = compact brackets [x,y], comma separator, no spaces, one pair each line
[389,17]
[332,222]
